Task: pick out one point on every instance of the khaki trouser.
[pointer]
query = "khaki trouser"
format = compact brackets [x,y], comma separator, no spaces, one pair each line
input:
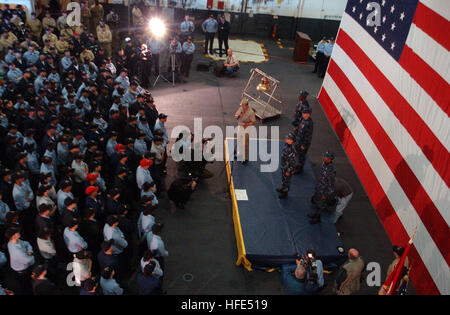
[108,49]
[242,143]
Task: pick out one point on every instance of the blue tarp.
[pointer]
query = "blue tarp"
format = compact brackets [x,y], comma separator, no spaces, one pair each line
[276,230]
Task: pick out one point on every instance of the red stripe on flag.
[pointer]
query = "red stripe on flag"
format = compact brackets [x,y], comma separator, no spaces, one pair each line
[427,78]
[430,145]
[424,206]
[433,24]
[421,278]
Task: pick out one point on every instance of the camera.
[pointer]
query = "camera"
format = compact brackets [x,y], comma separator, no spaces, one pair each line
[309,263]
[192,177]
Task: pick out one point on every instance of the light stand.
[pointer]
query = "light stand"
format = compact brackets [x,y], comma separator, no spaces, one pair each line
[158,29]
[162,77]
[173,66]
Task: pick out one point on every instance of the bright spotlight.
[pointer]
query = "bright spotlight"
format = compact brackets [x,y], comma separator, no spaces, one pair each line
[157,27]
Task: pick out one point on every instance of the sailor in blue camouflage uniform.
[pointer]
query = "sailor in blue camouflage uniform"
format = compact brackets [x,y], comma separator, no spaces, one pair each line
[287,165]
[304,131]
[325,188]
[302,103]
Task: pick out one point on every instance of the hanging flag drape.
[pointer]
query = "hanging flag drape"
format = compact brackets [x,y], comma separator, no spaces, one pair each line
[392,283]
[387,96]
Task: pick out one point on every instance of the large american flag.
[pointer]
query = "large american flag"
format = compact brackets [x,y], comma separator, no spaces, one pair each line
[387,95]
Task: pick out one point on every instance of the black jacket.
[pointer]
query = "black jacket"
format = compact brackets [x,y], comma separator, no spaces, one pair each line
[105,260]
[67,216]
[92,233]
[42,222]
[224,28]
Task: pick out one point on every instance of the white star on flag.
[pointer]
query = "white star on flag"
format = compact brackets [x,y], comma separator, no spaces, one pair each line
[402,16]
[392,45]
[383,37]
[384,19]
[383,2]
[375,29]
[392,26]
[392,8]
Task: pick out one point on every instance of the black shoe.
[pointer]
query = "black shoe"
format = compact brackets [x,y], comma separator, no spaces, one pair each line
[159,194]
[279,190]
[283,195]
[244,162]
[211,53]
[315,221]
[314,72]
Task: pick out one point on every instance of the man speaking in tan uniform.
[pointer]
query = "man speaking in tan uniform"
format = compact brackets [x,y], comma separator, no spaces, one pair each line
[246,118]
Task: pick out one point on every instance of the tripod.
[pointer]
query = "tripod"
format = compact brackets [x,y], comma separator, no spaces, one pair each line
[173,66]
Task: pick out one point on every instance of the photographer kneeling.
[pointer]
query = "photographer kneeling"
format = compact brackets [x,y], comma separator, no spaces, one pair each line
[191,166]
[181,190]
[305,277]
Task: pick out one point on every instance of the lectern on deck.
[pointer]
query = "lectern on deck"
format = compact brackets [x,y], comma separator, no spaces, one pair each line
[302,44]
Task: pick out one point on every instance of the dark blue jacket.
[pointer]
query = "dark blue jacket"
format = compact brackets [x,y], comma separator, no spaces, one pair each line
[148,285]
[293,286]
[108,261]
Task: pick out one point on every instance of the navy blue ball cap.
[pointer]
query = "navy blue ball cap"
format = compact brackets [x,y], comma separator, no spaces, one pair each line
[329,154]
[304,93]
[291,136]
[306,110]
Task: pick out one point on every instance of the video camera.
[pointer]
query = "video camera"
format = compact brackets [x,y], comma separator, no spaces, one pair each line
[309,263]
[192,177]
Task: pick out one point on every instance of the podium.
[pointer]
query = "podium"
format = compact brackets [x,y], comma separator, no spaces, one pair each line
[301,49]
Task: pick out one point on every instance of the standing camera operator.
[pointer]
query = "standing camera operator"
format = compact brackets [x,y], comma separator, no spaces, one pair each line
[314,280]
[303,278]
[145,65]
[314,269]
[131,53]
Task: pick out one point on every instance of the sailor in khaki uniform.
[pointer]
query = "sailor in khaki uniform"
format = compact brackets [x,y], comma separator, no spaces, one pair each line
[48,21]
[50,36]
[97,13]
[105,39]
[35,25]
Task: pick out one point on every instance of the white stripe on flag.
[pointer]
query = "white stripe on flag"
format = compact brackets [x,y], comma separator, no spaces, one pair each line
[441,7]
[427,175]
[433,116]
[436,56]
[425,246]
